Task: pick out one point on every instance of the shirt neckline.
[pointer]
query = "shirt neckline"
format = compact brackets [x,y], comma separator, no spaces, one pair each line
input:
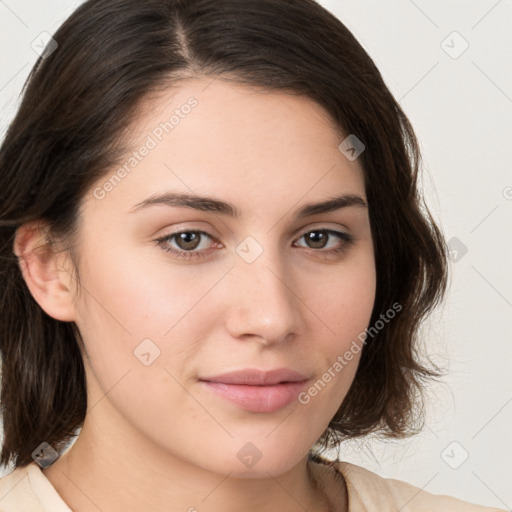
[52,501]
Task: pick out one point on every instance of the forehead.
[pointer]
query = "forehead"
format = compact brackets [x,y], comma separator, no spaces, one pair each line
[250,146]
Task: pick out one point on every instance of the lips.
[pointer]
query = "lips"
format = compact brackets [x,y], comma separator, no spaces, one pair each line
[256,390]
[252,377]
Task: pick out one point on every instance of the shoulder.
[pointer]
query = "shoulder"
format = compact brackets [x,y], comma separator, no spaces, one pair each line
[369,492]
[27,489]
[16,492]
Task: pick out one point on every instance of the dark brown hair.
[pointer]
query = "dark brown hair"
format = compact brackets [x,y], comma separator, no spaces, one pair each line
[80,99]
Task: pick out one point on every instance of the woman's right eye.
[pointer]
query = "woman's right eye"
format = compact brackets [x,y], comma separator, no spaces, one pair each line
[188,242]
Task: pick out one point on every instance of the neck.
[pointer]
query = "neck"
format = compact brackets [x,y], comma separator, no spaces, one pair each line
[113,467]
[97,473]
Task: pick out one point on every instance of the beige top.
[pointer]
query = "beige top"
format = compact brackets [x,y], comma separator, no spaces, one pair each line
[27,489]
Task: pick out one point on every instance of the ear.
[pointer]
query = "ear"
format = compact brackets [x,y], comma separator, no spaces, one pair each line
[48,280]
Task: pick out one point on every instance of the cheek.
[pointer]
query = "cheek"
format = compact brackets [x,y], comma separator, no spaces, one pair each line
[139,294]
[139,331]
[141,312]
[344,301]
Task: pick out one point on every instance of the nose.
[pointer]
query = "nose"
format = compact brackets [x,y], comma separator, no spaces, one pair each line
[263,302]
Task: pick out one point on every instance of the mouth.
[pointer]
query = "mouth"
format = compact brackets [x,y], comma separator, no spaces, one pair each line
[256,390]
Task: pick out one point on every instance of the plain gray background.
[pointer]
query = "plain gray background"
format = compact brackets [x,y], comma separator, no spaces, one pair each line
[448,64]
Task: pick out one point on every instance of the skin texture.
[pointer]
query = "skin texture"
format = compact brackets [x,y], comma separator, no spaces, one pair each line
[154,435]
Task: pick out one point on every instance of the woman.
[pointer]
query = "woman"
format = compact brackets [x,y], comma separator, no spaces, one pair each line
[216,262]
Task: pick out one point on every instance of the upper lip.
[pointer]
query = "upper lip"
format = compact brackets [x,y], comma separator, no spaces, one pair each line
[254,377]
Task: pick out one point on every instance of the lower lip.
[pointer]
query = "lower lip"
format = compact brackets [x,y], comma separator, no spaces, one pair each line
[258,398]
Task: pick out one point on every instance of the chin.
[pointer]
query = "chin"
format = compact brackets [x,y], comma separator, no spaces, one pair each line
[260,458]
[262,469]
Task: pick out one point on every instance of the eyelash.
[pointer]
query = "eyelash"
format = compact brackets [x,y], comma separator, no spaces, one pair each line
[161,242]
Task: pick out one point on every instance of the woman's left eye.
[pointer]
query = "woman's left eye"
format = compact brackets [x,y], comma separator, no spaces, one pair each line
[188,242]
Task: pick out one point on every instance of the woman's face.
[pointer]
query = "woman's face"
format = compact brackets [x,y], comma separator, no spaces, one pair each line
[260,290]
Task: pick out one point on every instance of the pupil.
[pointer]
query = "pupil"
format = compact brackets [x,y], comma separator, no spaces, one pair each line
[185,237]
[316,236]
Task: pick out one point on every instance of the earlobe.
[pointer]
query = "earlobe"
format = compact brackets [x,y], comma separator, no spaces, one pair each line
[41,266]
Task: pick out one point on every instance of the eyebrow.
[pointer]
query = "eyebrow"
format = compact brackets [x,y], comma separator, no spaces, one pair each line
[212,205]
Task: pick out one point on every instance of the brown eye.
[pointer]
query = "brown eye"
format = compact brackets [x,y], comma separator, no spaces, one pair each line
[186,243]
[187,240]
[319,238]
